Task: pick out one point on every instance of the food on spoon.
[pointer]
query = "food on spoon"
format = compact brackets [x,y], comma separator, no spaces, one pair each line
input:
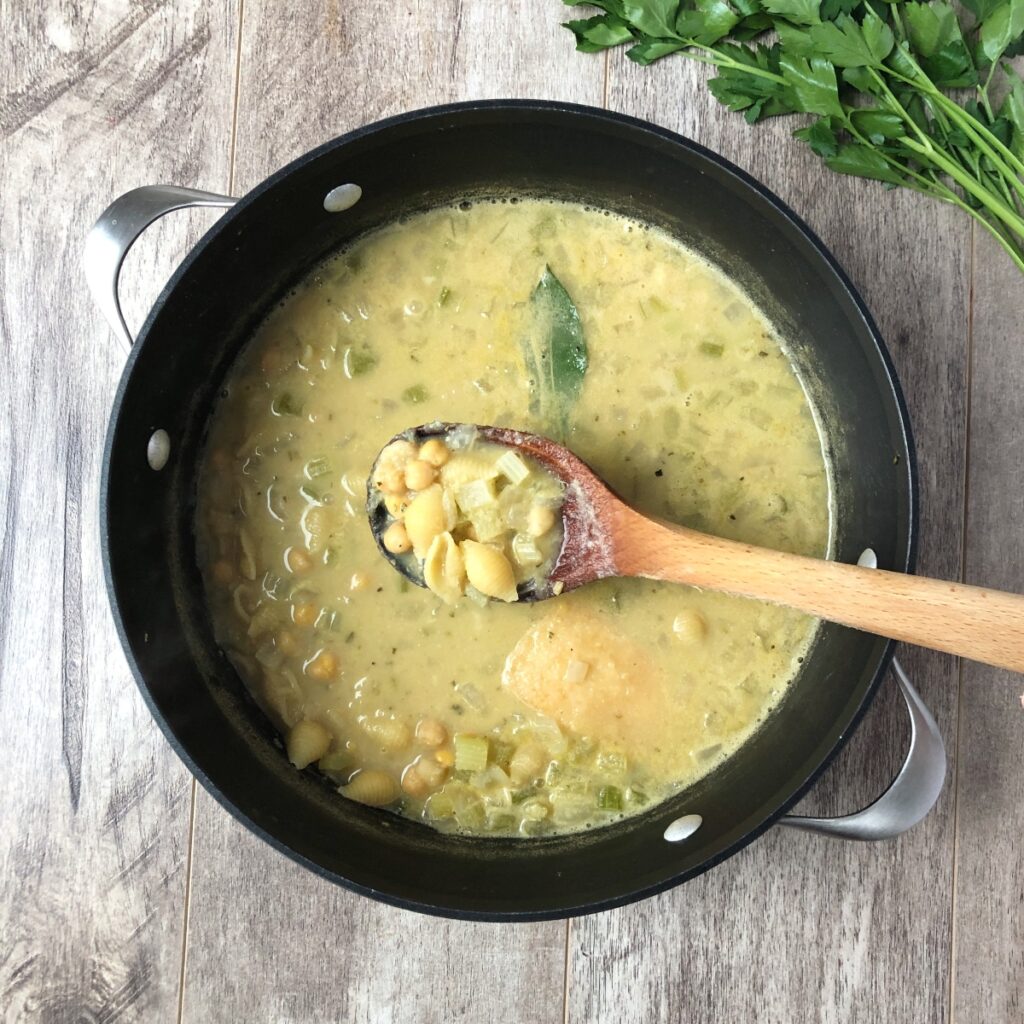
[485,524]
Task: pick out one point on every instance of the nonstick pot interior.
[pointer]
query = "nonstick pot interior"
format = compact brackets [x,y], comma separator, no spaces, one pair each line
[263,247]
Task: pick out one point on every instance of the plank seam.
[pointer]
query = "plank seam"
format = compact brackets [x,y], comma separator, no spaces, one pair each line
[951,1012]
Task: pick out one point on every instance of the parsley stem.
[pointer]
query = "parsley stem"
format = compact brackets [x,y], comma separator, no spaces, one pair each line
[947,195]
[983,91]
[977,131]
[718,58]
[967,182]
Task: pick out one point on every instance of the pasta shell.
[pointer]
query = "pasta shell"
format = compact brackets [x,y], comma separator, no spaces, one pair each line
[489,571]
[425,519]
[444,571]
[371,787]
[391,733]
[307,742]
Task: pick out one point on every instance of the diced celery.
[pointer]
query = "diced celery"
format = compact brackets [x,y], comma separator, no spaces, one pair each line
[581,750]
[525,550]
[502,821]
[710,348]
[470,752]
[439,806]
[501,755]
[524,794]
[446,294]
[475,494]
[656,304]
[358,361]
[317,467]
[471,815]
[311,494]
[488,523]
[636,796]
[511,466]
[609,798]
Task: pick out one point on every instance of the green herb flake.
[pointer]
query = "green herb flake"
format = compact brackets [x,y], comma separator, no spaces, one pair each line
[286,404]
[415,395]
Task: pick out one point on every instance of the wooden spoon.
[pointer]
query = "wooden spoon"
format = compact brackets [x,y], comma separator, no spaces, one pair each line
[604,537]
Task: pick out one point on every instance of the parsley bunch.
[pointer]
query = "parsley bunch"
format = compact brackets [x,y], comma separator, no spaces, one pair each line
[908,93]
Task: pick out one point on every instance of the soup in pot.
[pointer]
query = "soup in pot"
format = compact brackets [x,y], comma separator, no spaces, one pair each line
[465,709]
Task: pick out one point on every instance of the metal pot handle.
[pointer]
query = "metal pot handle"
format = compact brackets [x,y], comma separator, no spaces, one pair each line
[115,233]
[915,789]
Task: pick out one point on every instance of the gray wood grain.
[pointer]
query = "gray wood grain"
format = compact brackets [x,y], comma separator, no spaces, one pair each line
[798,928]
[94,808]
[307,74]
[989,937]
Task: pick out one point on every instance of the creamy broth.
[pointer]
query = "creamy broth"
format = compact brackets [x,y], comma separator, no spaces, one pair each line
[506,718]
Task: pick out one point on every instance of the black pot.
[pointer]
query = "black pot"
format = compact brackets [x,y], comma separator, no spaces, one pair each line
[266,244]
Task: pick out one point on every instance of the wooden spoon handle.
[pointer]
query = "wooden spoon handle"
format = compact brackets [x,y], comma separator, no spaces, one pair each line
[984,625]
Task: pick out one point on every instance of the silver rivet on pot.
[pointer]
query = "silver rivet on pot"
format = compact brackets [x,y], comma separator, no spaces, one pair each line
[158,451]
[682,828]
[344,197]
[868,559]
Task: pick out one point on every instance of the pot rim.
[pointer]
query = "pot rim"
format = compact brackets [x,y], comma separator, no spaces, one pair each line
[512,105]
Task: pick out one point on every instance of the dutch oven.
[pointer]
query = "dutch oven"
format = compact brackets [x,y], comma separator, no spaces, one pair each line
[264,245]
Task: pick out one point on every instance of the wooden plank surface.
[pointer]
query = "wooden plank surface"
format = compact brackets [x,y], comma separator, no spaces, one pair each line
[249,904]
[797,927]
[989,896]
[95,852]
[94,807]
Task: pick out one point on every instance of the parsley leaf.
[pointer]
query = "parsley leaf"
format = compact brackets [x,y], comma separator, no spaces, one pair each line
[876,76]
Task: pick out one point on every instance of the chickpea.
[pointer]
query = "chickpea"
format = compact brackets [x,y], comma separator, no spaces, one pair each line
[431,771]
[323,667]
[389,474]
[223,572]
[434,451]
[445,756]
[540,520]
[690,626]
[419,475]
[396,504]
[527,763]
[396,539]
[305,614]
[413,783]
[286,642]
[390,479]
[430,732]
[298,560]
